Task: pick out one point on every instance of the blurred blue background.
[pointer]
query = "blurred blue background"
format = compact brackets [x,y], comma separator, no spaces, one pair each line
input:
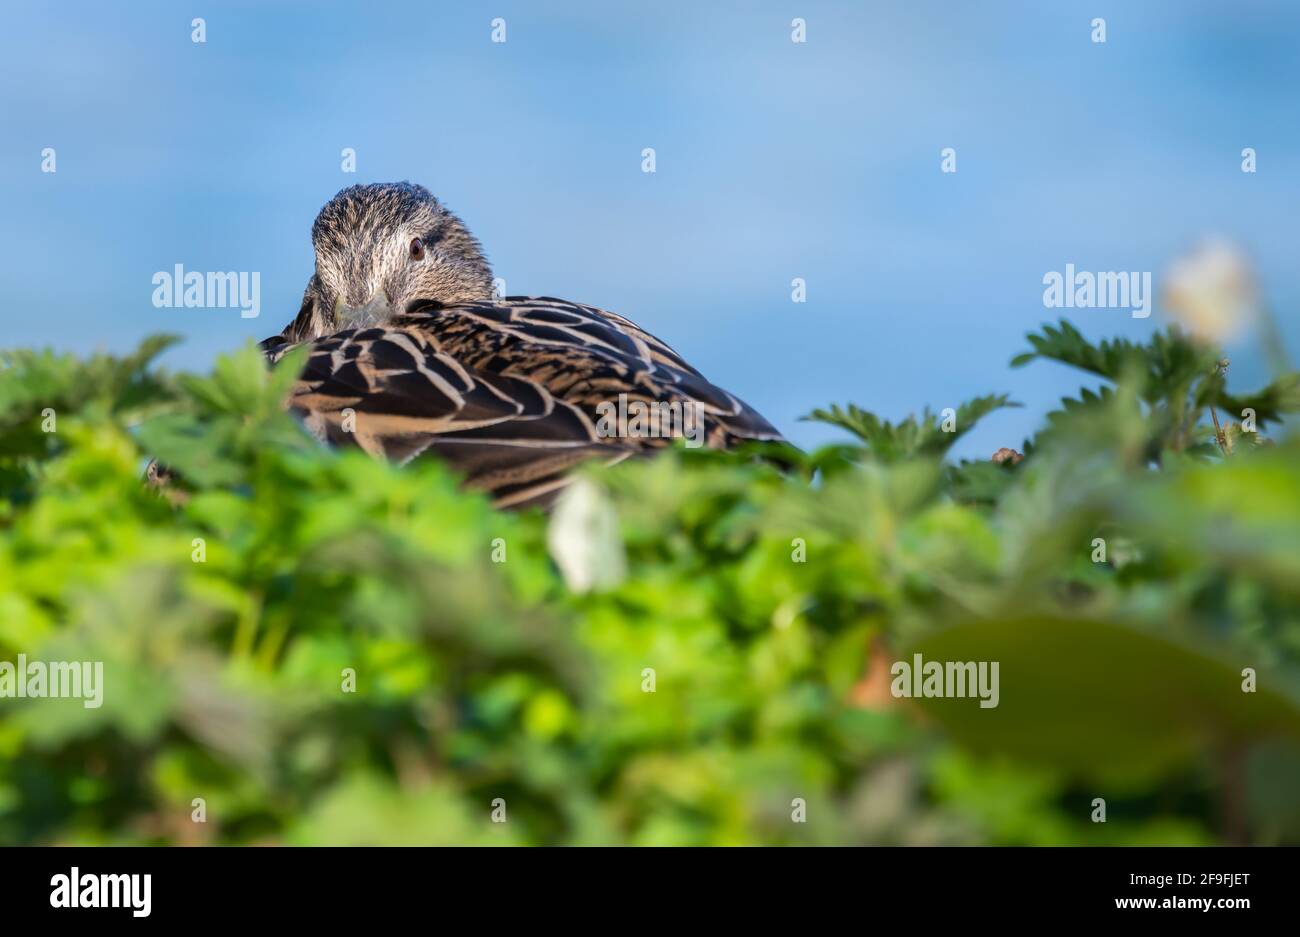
[775,160]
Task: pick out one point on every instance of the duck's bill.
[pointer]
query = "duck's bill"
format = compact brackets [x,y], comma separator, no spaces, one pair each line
[376,311]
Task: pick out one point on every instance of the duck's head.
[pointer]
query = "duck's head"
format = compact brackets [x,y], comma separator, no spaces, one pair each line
[382,247]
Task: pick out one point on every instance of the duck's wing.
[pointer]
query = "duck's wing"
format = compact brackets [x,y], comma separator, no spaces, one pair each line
[584,356]
[392,392]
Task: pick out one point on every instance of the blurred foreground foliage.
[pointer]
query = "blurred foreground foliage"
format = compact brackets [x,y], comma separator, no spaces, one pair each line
[692,649]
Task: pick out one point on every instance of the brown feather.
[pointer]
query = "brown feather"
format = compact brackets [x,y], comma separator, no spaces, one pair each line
[507,392]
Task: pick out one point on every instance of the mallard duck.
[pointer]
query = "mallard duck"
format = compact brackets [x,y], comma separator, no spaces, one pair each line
[411,353]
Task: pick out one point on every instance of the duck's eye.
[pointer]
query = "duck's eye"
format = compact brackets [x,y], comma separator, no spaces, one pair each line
[417,249]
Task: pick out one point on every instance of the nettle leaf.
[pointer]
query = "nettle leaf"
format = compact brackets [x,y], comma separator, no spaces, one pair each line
[200,451]
[1066,344]
[914,436]
[242,384]
[982,482]
[1100,698]
[1270,404]
[1092,412]
[31,381]
[832,459]
[236,417]
[1165,366]
[1177,378]
[42,390]
[285,373]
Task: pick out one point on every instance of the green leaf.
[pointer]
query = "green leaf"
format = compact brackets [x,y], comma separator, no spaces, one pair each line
[1102,698]
[913,437]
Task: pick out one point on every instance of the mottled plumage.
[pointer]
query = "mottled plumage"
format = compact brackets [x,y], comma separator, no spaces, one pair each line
[412,355]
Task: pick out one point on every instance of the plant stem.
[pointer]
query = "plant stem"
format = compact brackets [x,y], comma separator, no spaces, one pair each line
[1218,433]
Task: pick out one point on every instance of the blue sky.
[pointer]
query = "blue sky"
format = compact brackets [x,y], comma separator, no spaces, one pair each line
[775,160]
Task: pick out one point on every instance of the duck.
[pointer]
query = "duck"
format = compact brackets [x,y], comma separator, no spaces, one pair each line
[411,353]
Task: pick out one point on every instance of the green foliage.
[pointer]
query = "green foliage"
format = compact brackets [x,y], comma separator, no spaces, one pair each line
[33,384]
[914,436]
[1175,377]
[329,649]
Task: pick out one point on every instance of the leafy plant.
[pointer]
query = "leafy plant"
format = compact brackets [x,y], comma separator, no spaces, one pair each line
[914,436]
[309,646]
[1175,376]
